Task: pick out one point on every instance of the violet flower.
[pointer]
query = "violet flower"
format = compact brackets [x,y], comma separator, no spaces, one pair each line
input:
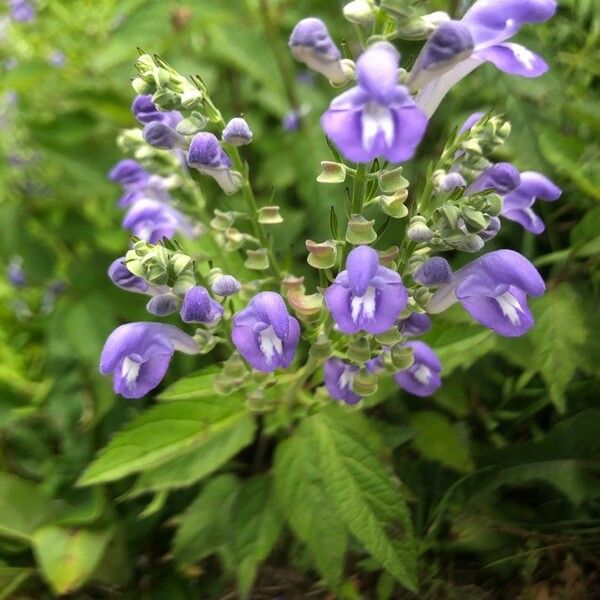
[122,277]
[152,220]
[339,377]
[415,324]
[129,173]
[146,112]
[517,205]
[422,378]
[489,23]
[501,177]
[365,296]
[492,288]
[138,355]
[311,44]
[15,273]
[160,135]
[377,118]
[265,334]
[22,11]
[199,307]
[207,156]
[237,132]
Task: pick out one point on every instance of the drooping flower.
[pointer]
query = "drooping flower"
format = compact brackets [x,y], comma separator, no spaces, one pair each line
[366,296]
[265,334]
[311,44]
[339,377]
[138,355]
[163,305]
[493,289]
[160,135]
[377,118]
[517,205]
[501,177]
[226,285]
[146,112]
[415,324]
[152,220]
[199,307]
[237,132]
[422,378]
[129,172]
[490,23]
[122,277]
[207,156]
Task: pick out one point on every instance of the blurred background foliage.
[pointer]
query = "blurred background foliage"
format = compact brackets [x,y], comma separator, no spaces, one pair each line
[500,466]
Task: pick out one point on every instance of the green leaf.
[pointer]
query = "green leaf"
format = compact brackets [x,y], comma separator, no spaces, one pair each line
[23,507]
[200,462]
[68,557]
[439,440]
[557,337]
[196,386]
[11,579]
[204,526]
[365,495]
[255,526]
[299,491]
[163,433]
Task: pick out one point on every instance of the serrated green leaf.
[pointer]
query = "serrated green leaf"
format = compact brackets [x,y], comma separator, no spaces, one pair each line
[204,526]
[200,462]
[196,386]
[255,527]
[557,337]
[365,496]
[299,491]
[163,433]
[68,557]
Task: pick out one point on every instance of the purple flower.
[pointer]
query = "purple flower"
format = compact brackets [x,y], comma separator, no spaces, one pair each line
[378,117]
[517,204]
[339,377]
[199,307]
[207,156]
[265,334]
[22,11]
[291,121]
[311,44]
[128,173]
[490,23]
[422,378]
[494,290]
[226,285]
[160,135]
[237,132]
[15,272]
[501,177]
[366,296]
[491,230]
[58,59]
[152,220]
[163,305]
[138,355]
[415,324]
[145,111]
[122,277]
[153,188]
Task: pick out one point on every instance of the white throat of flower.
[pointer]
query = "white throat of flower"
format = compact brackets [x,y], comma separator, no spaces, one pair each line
[422,374]
[364,305]
[510,307]
[346,379]
[376,118]
[130,371]
[270,344]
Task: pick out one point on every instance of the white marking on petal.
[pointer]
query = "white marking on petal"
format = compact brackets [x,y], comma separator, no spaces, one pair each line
[270,344]
[346,379]
[524,56]
[364,304]
[376,118]
[422,374]
[130,371]
[510,308]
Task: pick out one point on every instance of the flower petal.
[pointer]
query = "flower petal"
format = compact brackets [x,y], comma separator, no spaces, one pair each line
[361,265]
[514,59]
[527,218]
[338,300]
[377,71]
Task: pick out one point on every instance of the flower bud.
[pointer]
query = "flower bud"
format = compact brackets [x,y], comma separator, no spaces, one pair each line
[332,172]
[199,307]
[269,215]
[392,181]
[469,243]
[225,285]
[359,350]
[237,132]
[361,12]
[257,260]
[193,124]
[418,231]
[393,205]
[448,182]
[191,98]
[422,27]
[422,296]
[402,357]
[121,276]
[474,220]
[450,214]
[321,255]
[142,87]
[360,231]
[493,205]
[491,230]
[166,100]
[162,136]
[435,272]
[163,305]
[16,275]
[364,383]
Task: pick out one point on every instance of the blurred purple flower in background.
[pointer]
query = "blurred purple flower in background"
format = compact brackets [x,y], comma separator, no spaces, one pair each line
[422,378]
[339,377]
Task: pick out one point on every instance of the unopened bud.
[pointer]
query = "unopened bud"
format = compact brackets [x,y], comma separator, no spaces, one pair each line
[191,98]
[225,285]
[474,220]
[418,231]
[163,305]
[321,255]
[193,124]
[361,12]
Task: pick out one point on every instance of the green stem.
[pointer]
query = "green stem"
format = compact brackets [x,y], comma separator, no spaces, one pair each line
[358,190]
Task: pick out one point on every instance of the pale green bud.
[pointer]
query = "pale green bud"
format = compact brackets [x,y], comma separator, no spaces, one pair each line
[321,255]
[360,231]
